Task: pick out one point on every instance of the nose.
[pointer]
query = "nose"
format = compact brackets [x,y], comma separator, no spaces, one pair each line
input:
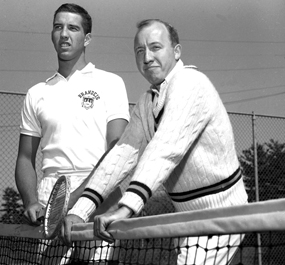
[63,33]
[148,57]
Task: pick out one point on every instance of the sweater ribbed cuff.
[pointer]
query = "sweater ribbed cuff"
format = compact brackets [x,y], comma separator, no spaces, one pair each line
[83,208]
[133,201]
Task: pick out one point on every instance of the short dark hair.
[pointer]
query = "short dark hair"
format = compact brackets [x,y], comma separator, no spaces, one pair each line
[173,34]
[76,9]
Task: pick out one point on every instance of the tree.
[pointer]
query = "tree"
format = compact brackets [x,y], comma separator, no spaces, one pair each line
[13,209]
[271,170]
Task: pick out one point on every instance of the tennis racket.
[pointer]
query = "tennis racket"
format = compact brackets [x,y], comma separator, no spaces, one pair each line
[57,207]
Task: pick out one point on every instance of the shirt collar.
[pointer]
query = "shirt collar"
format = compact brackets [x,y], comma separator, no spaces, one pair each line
[87,69]
[179,65]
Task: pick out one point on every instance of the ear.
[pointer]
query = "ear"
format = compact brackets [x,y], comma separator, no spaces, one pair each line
[87,39]
[177,51]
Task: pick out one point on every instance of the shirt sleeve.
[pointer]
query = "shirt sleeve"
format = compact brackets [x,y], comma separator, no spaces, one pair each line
[30,124]
[187,111]
[117,104]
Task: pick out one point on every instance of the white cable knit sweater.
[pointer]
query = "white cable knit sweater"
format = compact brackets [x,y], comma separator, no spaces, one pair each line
[193,147]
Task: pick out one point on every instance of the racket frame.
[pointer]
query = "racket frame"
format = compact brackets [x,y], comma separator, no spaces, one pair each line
[55,212]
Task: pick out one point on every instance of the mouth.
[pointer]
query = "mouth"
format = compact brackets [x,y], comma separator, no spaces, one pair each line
[64,45]
[150,68]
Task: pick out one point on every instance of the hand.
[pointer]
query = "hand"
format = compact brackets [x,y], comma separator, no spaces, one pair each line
[32,214]
[65,234]
[101,222]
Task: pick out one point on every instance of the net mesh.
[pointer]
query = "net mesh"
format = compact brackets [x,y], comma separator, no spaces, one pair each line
[22,250]
[239,235]
[15,250]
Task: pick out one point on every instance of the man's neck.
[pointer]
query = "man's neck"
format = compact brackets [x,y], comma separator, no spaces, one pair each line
[67,68]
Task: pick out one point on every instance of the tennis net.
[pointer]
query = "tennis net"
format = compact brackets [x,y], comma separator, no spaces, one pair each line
[258,229]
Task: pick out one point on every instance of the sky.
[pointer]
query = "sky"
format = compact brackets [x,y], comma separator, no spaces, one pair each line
[239,45]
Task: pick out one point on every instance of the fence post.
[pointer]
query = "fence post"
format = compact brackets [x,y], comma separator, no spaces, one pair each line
[259,252]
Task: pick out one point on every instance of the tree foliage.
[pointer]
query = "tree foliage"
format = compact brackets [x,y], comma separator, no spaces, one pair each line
[12,207]
[271,170]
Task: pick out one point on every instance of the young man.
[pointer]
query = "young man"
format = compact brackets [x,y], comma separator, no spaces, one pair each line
[76,115]
[179,136]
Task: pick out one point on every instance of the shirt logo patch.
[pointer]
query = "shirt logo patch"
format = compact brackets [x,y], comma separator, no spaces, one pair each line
[88,98]
[88,102]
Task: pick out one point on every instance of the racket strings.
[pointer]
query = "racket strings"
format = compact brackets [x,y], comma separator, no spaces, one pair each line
[56,209]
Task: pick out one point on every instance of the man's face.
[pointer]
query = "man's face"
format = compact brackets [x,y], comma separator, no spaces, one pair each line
[68,36]
[155,56]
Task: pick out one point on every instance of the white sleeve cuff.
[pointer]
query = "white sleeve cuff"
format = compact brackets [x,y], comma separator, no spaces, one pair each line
[83,208]
[132,201]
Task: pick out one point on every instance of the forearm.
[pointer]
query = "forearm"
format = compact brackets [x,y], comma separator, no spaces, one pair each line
[26,181]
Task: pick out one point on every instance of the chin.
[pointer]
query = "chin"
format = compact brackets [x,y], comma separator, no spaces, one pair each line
[155,82]
[64,58]
[151,80]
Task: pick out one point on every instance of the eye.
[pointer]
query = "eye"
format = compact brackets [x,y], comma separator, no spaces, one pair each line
[73,28]
[156,48]
[139,51]
[57,27]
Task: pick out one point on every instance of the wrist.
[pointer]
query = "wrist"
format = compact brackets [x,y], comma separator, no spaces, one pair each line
[30,202]
[125,212]
[83,208]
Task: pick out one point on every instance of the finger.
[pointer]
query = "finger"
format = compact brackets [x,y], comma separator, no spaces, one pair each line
[26,218]
[96,226]
[32,215]
[107,237]
[100,230]
[61,233]
[40,213]
[66,232]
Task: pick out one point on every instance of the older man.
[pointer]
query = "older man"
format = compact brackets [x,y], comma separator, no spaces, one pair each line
[179,136]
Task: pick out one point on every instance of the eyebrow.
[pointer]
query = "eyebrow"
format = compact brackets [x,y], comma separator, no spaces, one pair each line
[72,25]
[150,44]
[138,47]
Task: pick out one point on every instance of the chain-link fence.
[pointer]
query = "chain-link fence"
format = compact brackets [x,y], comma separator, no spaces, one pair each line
[263,165]
[260,144]
[266,133]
